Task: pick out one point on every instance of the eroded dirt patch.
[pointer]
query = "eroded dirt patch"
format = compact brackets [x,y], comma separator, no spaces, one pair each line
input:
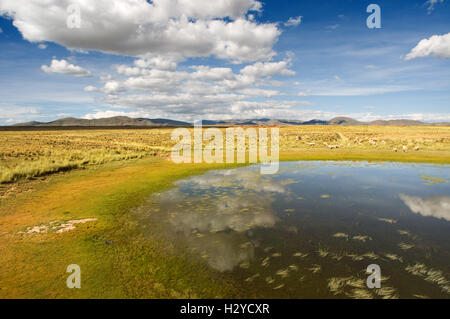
[56,226]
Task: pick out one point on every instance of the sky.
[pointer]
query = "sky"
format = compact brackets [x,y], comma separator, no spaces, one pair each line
[224,59]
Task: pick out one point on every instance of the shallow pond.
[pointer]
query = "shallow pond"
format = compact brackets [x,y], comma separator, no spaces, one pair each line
[311,230]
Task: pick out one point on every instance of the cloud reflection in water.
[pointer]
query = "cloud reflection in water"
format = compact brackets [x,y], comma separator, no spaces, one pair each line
[214,214]
[436,206]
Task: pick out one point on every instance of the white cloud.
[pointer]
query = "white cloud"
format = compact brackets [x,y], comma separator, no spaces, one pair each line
[261,69]
[42,46]
[190,28]
[159,62]
[424,117]
[201,80]
[437,45]
[438,207]
[431,4]
[293,21]
[360,91]
[199,91]
[64,67]
[112,113]
[333,27]
[12,114]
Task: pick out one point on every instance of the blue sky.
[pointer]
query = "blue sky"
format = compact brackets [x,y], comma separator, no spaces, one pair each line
[239,59]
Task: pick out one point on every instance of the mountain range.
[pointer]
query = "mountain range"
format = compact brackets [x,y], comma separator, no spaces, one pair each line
[119,121]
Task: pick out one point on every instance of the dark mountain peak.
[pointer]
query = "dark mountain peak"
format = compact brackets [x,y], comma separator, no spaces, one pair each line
[32,123]
[343,121]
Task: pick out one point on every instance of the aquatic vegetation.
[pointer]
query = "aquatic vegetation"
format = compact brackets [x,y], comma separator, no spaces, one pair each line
[283,272]
[293,267]
[371,255]
[356,288]
[355,257]
[323,252]
[362,238]
[244,265]
[404,232]
[270,280]
[276,255]
[359,294]
[386,292]
[341,235]
[300,255]
[433,180]
[251,278]
[315,269]
[388,220]
[337,284]
[278,287]
[394,257]
[265,262]
[431,275]
[405,246]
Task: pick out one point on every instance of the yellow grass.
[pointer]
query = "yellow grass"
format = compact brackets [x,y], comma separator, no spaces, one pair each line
[30,154]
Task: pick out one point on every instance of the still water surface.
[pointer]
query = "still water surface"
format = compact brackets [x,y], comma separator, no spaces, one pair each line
[312,229]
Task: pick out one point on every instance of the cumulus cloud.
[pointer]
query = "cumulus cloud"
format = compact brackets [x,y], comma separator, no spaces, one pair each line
[293,21]
[431,4]
[42,46]
[64,67]
[359,91]
[437,45]
[438,206]
[190,28]
[112,113]
[198,91]
[262,69]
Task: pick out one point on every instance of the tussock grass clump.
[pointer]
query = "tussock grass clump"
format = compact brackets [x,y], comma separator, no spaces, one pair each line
[33,154]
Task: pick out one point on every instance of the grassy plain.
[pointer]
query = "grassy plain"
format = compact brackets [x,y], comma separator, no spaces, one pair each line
[114,171]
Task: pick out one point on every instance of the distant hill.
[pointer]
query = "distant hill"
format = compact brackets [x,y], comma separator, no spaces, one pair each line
[397,122]
[119,121]
[111,121]
[344,121]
